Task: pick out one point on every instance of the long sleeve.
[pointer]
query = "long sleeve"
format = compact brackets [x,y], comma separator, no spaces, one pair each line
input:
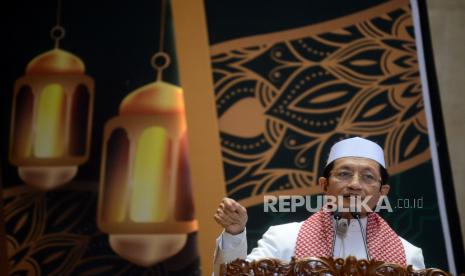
[230,247]
[414,255]
[277,242]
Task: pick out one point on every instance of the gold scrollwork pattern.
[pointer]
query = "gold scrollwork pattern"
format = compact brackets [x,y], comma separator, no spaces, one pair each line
[284,98]
[55,233]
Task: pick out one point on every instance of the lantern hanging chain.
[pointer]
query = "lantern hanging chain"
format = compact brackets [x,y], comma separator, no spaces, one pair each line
[57,32]
[58,18]
[162,25]
[162,57]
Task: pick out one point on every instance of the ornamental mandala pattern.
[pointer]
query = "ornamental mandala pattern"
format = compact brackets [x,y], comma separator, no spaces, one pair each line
[284,98]
[46,235]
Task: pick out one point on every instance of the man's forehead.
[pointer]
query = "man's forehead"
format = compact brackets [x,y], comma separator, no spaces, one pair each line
[356,161]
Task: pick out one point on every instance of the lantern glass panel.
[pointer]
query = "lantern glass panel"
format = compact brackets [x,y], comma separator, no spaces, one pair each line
[79,121]
[151,176]
[22,125]
[50,122]
[115,193]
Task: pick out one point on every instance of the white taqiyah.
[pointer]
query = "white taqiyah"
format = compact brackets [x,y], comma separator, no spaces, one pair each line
[357,147]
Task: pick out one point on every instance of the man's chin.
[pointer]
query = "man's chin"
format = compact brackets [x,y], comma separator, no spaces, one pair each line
[349,208]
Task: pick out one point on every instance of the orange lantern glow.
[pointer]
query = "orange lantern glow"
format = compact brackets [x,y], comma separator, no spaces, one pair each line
[51,118]
[145,200]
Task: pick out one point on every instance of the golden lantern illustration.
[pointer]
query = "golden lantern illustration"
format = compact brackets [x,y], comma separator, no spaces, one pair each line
[145,200]
[51,117]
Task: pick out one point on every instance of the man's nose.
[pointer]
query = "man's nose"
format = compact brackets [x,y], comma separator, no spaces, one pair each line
[354,182]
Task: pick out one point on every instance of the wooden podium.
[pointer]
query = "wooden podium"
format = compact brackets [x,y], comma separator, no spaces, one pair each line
[321,266]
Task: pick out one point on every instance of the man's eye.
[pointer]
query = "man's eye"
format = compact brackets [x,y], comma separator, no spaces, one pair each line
[344,174]
[368,177]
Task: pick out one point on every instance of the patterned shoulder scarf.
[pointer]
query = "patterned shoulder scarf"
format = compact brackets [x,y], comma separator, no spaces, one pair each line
[315,239]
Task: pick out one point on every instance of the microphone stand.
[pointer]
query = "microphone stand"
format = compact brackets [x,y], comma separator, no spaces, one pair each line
[337,216]
[356,215]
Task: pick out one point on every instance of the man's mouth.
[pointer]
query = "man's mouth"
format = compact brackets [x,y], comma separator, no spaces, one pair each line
[353,195]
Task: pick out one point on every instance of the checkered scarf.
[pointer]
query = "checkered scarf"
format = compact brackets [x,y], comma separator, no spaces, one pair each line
[315,239]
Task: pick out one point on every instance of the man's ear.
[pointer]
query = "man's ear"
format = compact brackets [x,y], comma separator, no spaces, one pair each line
[323,182]
[384,190]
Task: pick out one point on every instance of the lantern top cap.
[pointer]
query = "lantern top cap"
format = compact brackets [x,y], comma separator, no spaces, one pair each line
[154,98]
[56,61]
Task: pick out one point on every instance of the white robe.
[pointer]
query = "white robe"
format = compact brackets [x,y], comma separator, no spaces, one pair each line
[279,242]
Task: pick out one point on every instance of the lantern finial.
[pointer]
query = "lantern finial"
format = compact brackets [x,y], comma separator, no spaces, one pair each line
[58,32]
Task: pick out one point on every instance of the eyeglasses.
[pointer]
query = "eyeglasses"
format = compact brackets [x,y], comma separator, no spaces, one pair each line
[347,176]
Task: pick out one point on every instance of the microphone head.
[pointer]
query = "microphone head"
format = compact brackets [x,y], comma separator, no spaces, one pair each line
[342,228]
[337,215]
[355,215]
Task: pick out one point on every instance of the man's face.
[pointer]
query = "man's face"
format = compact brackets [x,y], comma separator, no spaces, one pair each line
[355,176]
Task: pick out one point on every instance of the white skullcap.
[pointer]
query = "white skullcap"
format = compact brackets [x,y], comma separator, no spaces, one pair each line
[357,147]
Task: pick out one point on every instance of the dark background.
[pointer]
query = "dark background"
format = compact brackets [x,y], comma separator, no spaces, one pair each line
[114,39]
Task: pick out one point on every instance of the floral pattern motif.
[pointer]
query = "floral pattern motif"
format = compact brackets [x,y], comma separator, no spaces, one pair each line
[55,233]
[312,89]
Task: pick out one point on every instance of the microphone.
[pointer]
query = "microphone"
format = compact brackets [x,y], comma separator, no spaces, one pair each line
[337,216]
[356,215]
[343,227]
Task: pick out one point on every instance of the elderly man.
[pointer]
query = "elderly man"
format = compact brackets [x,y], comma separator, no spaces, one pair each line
[355,167]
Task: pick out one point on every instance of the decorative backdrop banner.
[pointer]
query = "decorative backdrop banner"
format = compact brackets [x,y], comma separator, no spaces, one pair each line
[307,74]
[96,158]
[95,174]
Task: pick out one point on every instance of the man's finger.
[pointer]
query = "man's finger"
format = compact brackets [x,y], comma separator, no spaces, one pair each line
[224,217]
[226,210]
[234,216]
[241,210]
[229,204]
[220,221]
[229,211]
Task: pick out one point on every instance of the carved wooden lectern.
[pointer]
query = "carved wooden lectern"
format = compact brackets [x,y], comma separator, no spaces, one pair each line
[322,266]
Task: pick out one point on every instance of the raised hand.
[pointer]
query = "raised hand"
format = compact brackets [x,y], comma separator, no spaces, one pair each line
[231,215]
